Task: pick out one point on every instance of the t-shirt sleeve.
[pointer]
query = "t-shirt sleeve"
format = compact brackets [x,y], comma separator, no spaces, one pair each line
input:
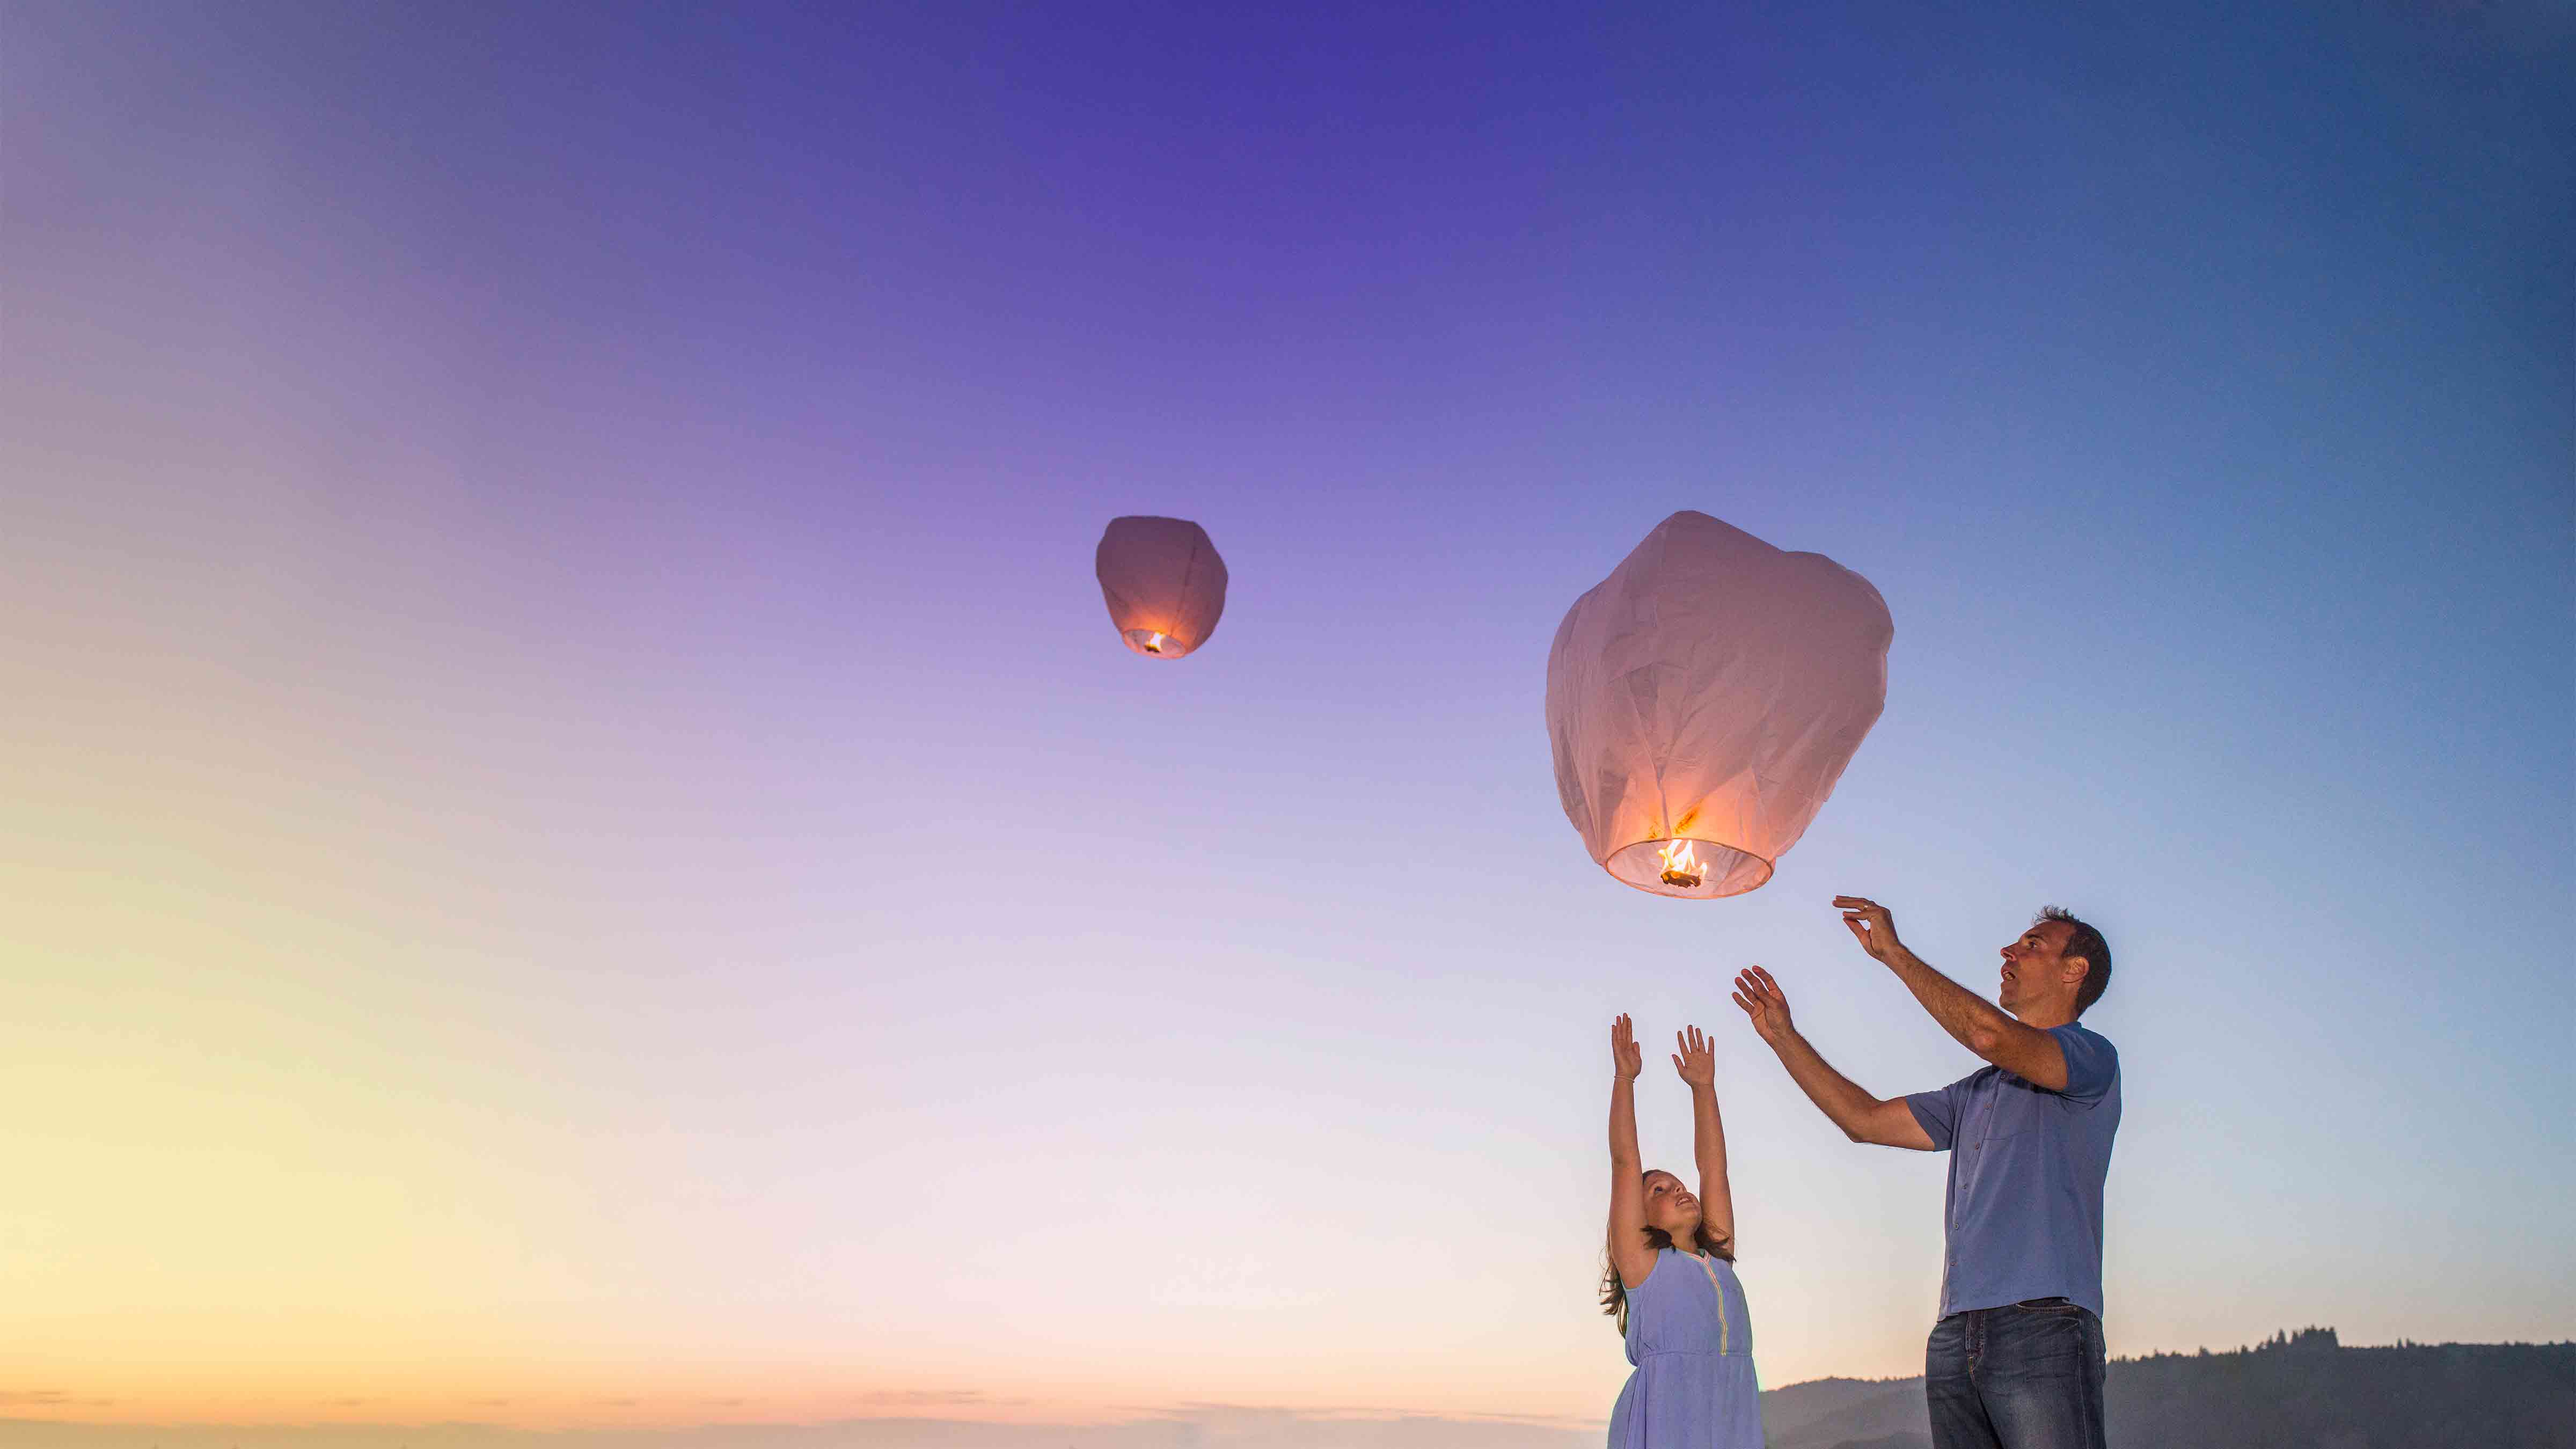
[2092,1064]
[1938,1113]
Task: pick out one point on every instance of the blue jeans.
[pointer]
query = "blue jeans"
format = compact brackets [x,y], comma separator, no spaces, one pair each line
[2024,1376]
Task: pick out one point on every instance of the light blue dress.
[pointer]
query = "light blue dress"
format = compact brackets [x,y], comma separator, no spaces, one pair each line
[1692,1342]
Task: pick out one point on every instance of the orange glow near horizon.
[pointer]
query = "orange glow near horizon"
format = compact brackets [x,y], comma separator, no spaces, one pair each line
[539,1397]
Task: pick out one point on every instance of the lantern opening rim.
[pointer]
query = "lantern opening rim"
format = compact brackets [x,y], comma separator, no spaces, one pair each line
[1174,646]
[1654,885]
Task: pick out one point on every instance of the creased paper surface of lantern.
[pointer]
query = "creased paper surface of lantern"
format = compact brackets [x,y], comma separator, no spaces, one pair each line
[1703,700]
[1164,584]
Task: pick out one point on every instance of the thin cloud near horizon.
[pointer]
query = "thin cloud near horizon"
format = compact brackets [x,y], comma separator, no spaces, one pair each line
[1192,1427]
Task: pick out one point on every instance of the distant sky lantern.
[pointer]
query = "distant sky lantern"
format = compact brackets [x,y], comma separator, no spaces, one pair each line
[1704,699]
[1164,584]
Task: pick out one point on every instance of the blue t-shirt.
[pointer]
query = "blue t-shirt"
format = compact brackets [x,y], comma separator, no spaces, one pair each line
[2023,1215]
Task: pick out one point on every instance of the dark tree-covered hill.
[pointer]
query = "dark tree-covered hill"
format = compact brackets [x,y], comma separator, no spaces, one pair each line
[2298,1391]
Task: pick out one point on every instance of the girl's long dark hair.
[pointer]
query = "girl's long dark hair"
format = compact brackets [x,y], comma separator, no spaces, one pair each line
[1614,1294]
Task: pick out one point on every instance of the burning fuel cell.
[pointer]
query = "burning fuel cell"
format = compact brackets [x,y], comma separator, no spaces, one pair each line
[1681,867]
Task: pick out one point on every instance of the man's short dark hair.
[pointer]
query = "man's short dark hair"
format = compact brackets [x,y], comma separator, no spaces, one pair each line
[2082,940]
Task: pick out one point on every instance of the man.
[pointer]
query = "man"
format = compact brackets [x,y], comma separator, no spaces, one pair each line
[2016,1360]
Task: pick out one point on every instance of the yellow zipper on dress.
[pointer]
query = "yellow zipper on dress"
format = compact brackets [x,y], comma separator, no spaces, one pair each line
[1724,1328]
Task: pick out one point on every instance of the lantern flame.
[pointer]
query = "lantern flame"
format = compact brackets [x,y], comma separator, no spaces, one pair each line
[1155,644]
[1681,864]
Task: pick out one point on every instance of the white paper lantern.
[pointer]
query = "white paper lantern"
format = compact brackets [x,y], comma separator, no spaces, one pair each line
[1164,584]
[1704,699]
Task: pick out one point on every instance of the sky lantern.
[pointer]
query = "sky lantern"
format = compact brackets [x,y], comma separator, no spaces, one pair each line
[1703,700]
[1164,584]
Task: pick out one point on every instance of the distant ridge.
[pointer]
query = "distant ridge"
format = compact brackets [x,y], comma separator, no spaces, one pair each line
[2304,1389]
[1845,1414]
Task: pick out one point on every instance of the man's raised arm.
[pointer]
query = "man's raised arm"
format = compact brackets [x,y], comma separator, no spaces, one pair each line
[1974,1022]
[1862,1117]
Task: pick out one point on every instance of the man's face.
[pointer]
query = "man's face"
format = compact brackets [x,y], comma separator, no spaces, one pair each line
[2034,968]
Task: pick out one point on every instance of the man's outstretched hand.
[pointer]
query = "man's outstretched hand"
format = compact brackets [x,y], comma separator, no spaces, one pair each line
[1872,925]
[1761,998]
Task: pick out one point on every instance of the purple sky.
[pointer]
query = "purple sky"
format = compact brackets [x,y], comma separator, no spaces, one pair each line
[579,794]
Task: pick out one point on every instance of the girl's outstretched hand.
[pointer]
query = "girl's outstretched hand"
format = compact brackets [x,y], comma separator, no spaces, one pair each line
[1696,1061]
[1625,1058]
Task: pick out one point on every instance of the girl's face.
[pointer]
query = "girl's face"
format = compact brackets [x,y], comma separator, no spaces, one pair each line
[1672,1207]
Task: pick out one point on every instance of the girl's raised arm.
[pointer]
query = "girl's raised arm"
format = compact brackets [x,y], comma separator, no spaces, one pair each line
[1628,1251]
[1697,1063]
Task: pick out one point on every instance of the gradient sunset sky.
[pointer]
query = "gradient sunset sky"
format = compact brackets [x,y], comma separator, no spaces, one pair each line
[581,851]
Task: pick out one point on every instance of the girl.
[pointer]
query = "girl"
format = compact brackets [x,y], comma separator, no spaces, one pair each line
[1679,1308]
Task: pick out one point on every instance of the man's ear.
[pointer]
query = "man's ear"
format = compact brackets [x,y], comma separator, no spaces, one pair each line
[2077,979]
